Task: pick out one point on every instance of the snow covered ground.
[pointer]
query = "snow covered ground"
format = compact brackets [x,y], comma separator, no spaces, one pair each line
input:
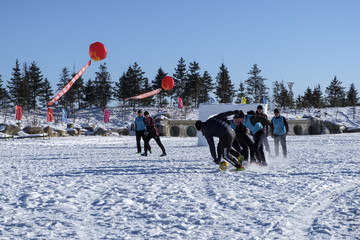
[99,188]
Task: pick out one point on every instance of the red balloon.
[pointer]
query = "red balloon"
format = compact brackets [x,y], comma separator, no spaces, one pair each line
[167,83]
[97,51]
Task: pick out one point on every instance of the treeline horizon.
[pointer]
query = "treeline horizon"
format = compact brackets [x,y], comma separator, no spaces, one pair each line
[30,89]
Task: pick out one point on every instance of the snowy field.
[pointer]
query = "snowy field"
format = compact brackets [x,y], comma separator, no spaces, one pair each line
[99,188]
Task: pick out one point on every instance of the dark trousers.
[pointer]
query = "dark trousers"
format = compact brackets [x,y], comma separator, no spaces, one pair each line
[246,144]
[258,145]
[226,151]
[139,135]
[236,146]
[282,140]
[156,137]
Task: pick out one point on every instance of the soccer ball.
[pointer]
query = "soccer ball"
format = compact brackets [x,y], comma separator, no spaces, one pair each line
[223,165]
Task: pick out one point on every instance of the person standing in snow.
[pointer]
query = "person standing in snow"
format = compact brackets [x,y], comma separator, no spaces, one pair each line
[140,128]
[256,128]
[152,133]
[279,130]
[260,112]
[216,127]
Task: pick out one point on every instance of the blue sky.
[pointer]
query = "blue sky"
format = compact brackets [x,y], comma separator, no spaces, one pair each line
[307,42]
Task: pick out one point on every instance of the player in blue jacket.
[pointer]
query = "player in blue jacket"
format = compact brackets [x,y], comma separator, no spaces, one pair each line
[279,130]
[140,129]
[256,127]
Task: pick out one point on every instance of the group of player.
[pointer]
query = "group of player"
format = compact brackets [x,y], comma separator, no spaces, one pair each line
[243,138]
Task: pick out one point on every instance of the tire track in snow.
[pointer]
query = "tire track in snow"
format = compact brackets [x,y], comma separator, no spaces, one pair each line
[314,201]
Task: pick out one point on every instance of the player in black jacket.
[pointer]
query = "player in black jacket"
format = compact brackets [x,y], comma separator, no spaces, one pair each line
[215,127]
[152,133]
[244,139]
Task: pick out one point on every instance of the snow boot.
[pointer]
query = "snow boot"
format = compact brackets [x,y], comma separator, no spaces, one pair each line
[163,154]
[242,168]
[263,163]
[144,154]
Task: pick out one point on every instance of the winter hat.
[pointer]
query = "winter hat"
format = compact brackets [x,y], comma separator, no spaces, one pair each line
[146,113]
[260,107]
[198,125]
[139,111]
[276,110]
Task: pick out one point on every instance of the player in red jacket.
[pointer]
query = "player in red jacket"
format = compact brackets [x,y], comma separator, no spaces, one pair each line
[152,133]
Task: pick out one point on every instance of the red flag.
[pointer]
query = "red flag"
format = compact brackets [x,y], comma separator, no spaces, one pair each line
[69,85]
[180,103]
[106,116]
[50,116]
[145,95]
[18,112]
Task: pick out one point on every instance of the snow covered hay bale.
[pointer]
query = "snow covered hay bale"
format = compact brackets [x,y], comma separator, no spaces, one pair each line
[33,130]
[12,129]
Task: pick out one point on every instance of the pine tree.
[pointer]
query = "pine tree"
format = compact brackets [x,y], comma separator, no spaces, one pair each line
[134,82]
[67,99]
[307,98]
[36,84]
[335,93]
[24,90]
[192,85]
[15,85]
[206,87]
[225,90]
[77,90]
[46,93]
[256,88]
[156,83]
[103,89]
[317,98]
[352,98]
[299,102]
[4,96]
[122,89]
[89,93]
[241,93]
[281,96]
[179,77]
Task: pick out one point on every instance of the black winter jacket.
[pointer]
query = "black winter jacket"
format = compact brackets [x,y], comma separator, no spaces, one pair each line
[216,127]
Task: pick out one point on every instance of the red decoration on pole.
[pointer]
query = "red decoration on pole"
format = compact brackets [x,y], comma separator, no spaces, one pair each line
[68,86]
[18,112]
[180,103]
[97,51]
[145,95]
[106,116]
[50,116]
[167,83]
